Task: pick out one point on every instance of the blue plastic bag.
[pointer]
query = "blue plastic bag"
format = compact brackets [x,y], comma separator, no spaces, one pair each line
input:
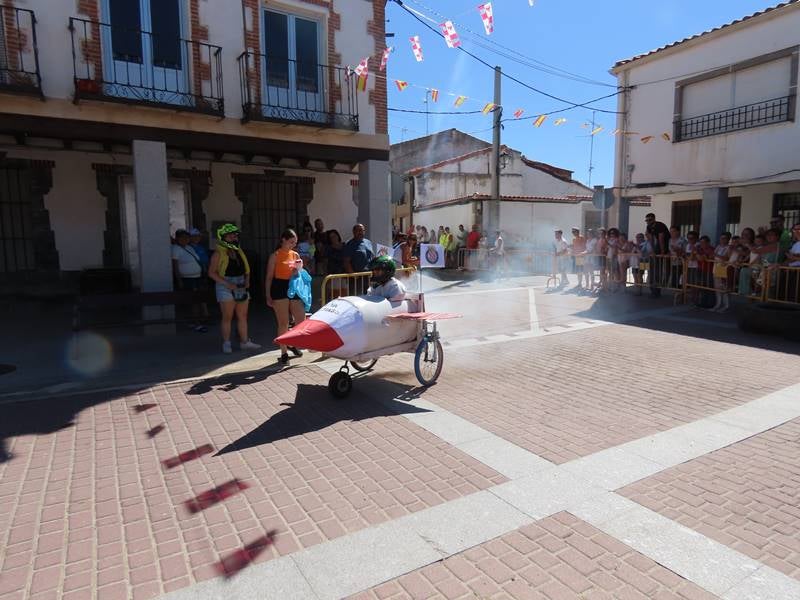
[300,288]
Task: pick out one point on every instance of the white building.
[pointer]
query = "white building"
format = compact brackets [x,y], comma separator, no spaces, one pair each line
[121,121]
[727,101]
[535,197]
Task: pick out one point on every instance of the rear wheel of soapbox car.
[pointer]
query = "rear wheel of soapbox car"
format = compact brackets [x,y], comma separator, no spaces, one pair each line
[363,366]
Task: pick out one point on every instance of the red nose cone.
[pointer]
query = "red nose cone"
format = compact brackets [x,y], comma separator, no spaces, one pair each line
[311,335]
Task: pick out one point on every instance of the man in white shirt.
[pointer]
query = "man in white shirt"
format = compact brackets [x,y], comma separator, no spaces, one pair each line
[188,273]
[560,251]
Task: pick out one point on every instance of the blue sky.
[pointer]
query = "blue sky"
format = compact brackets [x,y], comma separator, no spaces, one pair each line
[583,37]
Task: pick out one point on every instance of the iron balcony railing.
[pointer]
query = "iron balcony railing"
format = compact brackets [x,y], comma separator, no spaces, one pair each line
[767,112]
[290,91]
[121,64]
[19,52]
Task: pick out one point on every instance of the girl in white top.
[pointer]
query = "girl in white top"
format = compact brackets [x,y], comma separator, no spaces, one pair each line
[721,258]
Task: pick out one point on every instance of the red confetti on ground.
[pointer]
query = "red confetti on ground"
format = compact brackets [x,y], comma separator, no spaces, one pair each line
[187,456]
[233,563]
[140,408]
[215,496]
[155,431]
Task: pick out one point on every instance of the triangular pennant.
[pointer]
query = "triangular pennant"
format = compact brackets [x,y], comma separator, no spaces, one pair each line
[488,108]
[518,113]
[646,139]
[450,34]
[459,101]
[617,131]
[416,47]
[362,68]
[530,2]
[487,17]
[666,137]
[361,84]
[385,57]
[597,130]
[559,121]
[401,85]
[539,120]
[435,95]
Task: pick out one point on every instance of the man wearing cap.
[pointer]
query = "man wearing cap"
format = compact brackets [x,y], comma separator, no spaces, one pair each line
[196,242]
[188,273]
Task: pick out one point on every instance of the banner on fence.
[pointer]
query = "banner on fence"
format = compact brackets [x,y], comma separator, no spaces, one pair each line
[431,256]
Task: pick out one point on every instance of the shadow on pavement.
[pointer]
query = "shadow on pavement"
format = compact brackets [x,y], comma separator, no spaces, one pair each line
[232,381]
[314,409]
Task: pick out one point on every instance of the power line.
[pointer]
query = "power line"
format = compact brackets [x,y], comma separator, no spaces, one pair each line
[520,58]
[432,112]
[506,75]
[560,110]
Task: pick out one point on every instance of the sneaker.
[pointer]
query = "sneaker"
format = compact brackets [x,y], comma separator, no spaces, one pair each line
[284,358]
[295,351]
[250,345]
[226,347]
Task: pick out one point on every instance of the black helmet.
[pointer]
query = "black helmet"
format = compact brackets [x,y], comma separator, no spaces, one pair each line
[384,265]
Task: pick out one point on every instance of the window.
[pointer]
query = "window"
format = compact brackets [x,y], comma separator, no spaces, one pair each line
[687,215]
[788,206]
[756,92]
[3,49]
[17,251]
[291,44]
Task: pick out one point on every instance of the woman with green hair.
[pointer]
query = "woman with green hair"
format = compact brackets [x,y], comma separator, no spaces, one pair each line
[231,272]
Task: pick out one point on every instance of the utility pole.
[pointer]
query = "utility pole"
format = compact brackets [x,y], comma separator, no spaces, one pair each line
[591,150]
[493,218]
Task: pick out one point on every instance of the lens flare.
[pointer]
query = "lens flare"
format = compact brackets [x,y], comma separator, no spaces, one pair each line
[89,354]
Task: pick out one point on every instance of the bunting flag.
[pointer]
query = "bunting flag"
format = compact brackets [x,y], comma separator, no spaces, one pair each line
[401,85]
[646,139]
[416,47]
[665,136]
[450,34]
[559,121]
[518,113]
[539,120]
[487,17]
[362,68]
[459,101]
[385,57]
[597,130]
[488,108]
[617,131]
[361,84]
[530,2]
[435,95]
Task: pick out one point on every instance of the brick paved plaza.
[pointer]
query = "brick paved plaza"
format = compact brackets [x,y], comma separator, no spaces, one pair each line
[653,453]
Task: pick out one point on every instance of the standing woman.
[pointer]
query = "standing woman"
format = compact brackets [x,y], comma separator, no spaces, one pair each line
[283,264]
[411,252]
[231,272]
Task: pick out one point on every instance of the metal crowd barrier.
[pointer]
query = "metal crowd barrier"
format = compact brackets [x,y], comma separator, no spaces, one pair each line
[782,284]
[354,284]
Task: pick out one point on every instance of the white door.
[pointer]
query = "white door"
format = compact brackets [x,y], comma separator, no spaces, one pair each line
[179,218]
[145,53]
[292,74]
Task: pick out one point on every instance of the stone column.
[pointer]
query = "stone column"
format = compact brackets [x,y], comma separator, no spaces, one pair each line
[624,216]
[714,212]
[374,208]
[152,216]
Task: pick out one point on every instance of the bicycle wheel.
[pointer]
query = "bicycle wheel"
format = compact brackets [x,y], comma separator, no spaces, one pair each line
[428,360]
[363,366]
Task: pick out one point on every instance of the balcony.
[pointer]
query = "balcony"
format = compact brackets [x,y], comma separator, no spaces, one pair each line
[288,91]
[779,110]
[118,64]
[19,53]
